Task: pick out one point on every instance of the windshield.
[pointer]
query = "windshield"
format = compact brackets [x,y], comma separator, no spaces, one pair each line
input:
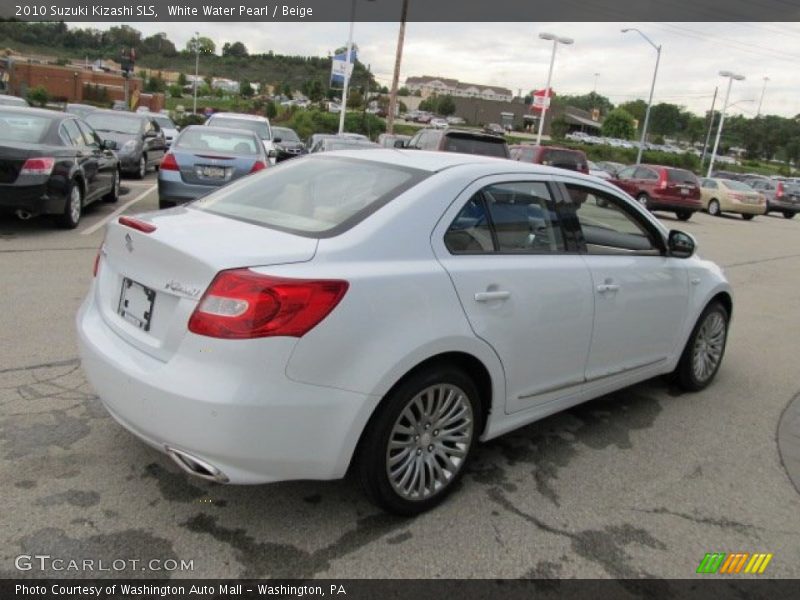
[114,123]
[21,127]
[205,139]
[164,122]
[260,128]
[286,135]
[315,195]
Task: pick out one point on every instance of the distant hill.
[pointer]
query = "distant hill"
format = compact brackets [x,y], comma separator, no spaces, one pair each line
[158,52]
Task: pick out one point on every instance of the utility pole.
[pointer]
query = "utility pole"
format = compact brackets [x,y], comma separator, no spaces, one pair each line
[398,57]
[710,127]
[763,89]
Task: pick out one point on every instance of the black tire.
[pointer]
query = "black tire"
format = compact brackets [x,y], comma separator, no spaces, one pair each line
[373,458]
[142,170]
[713,208]
[71,215]
[684,215]
[787,214]
[685,374]
[113,194]
[643,200]
[748,217]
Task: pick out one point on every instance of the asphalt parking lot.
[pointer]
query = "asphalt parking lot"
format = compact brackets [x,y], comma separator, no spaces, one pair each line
[641,483]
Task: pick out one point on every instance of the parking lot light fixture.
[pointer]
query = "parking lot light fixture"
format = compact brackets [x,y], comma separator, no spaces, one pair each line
[652,89]
[731,76]
[556,40]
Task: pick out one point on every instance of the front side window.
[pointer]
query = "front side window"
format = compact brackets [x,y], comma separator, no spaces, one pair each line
[72,134]
[626,173]
[648,174]
[606,226]
[507,218]
[710,184]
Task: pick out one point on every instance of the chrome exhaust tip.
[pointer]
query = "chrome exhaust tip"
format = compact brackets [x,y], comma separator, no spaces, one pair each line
[23,214]
[195,466]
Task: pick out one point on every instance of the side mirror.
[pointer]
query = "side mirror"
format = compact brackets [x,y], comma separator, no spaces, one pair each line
[277,140]
[680,244]
[109,145]
[399,144]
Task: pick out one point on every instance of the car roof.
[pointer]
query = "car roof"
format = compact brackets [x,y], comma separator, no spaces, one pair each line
[42,112]
[233,115]
[123,113]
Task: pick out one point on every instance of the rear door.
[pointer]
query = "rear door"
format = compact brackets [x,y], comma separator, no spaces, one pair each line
[106,162]
[523,288]
[71,134]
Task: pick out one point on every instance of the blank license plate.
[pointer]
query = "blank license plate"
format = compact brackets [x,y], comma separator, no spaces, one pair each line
[685,191]
[213,172]
[136,304]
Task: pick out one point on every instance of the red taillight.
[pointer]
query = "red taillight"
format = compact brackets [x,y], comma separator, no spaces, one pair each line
[137,224]
[97,261]
[662,180]
[38,166]
[242,304]
[257,166]
[779,190]
[168,163]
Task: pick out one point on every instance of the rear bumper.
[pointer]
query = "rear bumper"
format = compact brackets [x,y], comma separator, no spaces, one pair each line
[744,208]
[660,202]
[172,190]
[40,199]
[783,206]
[227,403]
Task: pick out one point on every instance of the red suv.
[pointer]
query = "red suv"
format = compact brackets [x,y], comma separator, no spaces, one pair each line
[662,188]
[552,156]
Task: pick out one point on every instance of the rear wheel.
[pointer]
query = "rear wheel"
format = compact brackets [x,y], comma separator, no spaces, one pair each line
[141,171]
[73,206]
[788,214]
[748,217]
[684,215]
[713,208]
[703,353]
[644,200]
[418,444]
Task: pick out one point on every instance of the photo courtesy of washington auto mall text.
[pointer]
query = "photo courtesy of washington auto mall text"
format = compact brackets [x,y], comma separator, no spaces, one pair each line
[399,299]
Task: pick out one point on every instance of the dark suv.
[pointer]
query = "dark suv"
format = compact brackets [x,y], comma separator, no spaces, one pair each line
[781,197]
[657,187]
[460,140]
[553,156]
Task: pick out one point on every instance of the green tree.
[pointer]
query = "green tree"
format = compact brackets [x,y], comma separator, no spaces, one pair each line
[446,106]
[637,108]
[237,49]
[559,127]
[403,91]
[618,124]
[175,91]
[38,96]
[182,81]
[355,99]
[246,89]
[203,44]
[271,110]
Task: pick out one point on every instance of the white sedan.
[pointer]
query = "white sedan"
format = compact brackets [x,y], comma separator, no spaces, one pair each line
[390,309]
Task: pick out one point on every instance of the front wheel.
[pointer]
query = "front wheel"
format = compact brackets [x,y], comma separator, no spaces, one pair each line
[417,445]
[748,217]
[703,353]
[684,215]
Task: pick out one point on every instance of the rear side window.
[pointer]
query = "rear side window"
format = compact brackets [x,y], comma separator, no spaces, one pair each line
[475,145]
[679,176]
[317,196]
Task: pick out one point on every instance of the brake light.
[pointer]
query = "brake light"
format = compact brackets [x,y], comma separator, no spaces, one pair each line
[97,260]
[242,304]
[137,224]
[38,166]
[257,166]
[662,180]
[779,190]
[168,163]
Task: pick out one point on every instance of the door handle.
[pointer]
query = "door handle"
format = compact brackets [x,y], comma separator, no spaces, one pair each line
[489,296]
[607,287]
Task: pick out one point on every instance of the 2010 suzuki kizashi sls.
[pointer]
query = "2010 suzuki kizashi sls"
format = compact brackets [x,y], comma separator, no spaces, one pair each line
[387,309]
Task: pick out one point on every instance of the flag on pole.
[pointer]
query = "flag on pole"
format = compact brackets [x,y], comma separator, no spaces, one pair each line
[339,67]
[541,100]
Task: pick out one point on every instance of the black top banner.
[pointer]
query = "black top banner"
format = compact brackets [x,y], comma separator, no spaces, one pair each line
[391,10]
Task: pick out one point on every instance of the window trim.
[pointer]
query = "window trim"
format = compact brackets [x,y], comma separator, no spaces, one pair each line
[570,219]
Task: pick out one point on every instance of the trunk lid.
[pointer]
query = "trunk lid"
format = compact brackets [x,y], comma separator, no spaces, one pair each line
[148,284]
[212,168]
[13,157]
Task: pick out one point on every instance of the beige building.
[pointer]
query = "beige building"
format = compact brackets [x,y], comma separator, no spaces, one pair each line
[442,86]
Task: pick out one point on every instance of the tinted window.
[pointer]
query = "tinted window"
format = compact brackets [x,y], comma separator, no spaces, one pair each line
[114,123]
[523,217]
[21,127]
[260,128]
[469,233]
[607,227]
[475,145]
[72,134]
[314,195]
[644,173]
[563,159]
[681,176]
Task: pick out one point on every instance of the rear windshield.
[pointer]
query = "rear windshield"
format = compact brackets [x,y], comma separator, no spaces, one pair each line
[563,159]
[475,145]
[21,127]
[205,139]
[317,196]
[260,128]
[114,123]
[681,176]
[736,185]
[287,135]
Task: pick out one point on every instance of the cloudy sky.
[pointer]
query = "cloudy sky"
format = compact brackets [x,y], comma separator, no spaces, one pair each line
[511,55]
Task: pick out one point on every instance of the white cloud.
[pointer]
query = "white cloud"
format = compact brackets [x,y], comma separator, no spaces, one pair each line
[511,55]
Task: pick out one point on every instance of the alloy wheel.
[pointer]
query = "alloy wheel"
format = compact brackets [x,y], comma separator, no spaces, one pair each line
[708,346]
[75,203]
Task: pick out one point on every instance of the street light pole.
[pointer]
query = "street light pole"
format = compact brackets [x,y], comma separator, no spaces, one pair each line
[596,75]
[396,76]
[196,68]
[556,40]
[731,76]
[763,89]
[652,89]
[710,128]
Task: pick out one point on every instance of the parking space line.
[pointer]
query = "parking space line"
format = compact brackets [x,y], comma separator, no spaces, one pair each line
[102,222]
